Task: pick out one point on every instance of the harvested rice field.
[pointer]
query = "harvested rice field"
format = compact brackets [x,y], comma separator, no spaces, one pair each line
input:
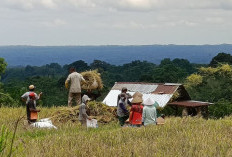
[177,137]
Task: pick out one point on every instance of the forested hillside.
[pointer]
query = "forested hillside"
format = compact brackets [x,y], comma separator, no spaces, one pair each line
[115,55]
[50,78]
[211,82]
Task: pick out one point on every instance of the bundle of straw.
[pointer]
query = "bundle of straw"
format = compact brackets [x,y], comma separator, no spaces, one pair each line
[102,112]
[97,110]
[93,80]
[66,114]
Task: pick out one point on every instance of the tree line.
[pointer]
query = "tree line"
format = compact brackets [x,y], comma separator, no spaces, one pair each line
[50,79]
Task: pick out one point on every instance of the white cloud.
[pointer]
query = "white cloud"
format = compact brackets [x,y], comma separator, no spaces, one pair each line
[143,4]
[132,25]
[130,5]
[151,5]
[29,4]
[48,3]
[116,21]
[81,3]
[214,20]
[54,23]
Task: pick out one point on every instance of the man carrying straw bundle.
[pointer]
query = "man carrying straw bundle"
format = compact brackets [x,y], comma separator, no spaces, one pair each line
[74,83]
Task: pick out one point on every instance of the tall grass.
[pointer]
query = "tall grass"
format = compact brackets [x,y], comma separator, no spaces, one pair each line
[3,139]
[178,137]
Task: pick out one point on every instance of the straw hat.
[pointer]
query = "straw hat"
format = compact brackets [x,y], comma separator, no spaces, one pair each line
[136,100]
[137,94]
[149,102]
[31,87]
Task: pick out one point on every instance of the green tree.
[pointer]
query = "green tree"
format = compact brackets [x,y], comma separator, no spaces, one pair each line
[213,85]
[5,98]
[170,71]
[79,65]
[3,65]
[184,64]
[221,58]
[100,65]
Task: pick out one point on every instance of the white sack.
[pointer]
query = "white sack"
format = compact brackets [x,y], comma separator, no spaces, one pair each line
[44,124]
[46,120]
[92,123]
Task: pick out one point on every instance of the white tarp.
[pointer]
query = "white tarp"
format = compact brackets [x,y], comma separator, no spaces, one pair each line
[112,97]
[161,99]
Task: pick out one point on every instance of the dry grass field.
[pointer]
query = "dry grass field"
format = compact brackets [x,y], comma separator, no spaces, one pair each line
[178,137]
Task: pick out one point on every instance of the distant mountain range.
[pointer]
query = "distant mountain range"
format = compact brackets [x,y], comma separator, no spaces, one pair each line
[116,55]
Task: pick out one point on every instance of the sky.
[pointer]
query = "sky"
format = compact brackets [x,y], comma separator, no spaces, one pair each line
[115,22]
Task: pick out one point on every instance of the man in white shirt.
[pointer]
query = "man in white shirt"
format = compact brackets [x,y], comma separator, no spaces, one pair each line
[25,96]
[74,83]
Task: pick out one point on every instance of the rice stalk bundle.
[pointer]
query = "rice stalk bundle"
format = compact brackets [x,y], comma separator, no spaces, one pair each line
[97,110]
[93,80]
[66,114]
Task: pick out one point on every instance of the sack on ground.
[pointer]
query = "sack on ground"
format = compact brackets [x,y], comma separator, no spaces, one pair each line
[46,120]
[44,123]
[92,123]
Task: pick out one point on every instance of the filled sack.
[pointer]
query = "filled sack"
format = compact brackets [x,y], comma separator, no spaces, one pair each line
[92,123]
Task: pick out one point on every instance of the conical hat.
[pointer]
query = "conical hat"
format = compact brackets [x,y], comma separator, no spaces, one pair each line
[148,102]
[137,94]
[137,99]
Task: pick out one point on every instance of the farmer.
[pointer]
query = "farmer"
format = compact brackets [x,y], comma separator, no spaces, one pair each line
[74,80]
[149,112]
[30,98]
[122,112]
[25,96]
[32,114]
[82,110]
[136,111]
[128,96]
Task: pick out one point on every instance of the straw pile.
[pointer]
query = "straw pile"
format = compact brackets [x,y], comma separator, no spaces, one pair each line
[102,112]
[97,110]
[93,80]
[66,114]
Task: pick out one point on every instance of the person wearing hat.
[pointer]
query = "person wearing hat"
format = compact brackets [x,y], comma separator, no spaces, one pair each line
[83,116]
[73,82]
[136,110]
[122,112]
[25,96]
[32,112]
[149,112]
[128,96]
[30,98]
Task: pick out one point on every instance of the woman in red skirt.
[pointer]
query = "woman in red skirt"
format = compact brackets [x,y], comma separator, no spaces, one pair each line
[136,110]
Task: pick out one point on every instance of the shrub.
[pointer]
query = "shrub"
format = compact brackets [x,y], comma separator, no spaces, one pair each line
[221,109]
